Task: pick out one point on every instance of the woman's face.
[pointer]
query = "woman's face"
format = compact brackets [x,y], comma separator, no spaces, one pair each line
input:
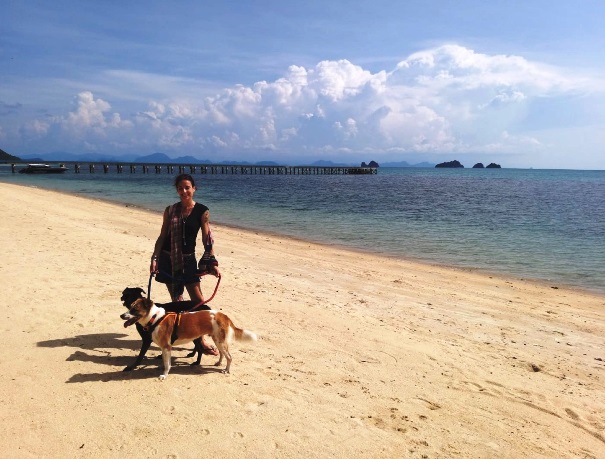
[185,190]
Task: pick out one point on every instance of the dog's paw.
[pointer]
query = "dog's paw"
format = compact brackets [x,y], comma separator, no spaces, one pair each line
[162,377]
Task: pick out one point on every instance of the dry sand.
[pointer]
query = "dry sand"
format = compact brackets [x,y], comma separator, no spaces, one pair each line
[358,356]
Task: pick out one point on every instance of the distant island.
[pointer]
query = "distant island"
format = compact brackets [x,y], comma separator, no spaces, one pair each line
[450,164]
[162,158]
[489,166]
[457,164]
[372,164]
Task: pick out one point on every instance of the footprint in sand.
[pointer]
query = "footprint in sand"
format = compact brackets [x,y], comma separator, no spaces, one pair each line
[572,414]
[430,405]
[391,420]
[484,390]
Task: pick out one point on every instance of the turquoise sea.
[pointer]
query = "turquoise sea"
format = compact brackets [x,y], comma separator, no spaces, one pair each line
[547,225]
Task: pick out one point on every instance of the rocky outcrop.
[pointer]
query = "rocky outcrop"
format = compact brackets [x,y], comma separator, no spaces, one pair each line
[372,164]
[476,166]
[450,164]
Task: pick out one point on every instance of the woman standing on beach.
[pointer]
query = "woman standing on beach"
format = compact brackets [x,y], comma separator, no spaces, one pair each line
[173,258]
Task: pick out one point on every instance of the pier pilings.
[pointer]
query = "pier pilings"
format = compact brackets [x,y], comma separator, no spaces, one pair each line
[229,169]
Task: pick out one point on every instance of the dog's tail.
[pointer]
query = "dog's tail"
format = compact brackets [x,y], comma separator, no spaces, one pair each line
[243,335]
[238,333]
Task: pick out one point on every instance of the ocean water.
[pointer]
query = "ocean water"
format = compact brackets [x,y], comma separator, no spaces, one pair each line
[547,225]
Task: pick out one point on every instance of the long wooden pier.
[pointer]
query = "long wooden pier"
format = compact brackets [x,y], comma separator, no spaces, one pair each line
[133,168]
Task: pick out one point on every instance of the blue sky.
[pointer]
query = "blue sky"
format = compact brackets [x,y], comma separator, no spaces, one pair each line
[520,83]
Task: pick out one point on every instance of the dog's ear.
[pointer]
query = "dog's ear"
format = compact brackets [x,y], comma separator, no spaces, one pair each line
[143,303]
[138,303]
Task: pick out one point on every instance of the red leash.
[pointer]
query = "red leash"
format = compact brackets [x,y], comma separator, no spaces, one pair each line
[218,282]
[201,274]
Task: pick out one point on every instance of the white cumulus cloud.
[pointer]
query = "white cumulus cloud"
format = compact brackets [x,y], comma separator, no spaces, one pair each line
[443,100]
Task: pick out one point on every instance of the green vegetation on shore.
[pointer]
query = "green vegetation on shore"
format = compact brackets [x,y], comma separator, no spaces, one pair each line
[5,157]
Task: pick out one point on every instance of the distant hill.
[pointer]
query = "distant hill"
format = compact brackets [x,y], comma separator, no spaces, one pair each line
[324,163]
[71,157]
[233,163]
[162,158]
[155,158]
[406,164]
[4,156]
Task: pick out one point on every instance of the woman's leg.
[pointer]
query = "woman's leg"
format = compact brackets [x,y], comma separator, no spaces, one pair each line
[173,298]
[196,295]
[195,292]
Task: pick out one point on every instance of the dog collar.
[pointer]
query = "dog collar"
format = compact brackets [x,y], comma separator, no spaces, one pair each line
[152,323]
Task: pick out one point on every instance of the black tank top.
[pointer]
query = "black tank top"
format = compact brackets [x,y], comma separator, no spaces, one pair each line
[191,226]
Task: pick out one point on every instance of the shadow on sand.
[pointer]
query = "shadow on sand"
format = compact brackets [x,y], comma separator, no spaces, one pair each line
[99,348]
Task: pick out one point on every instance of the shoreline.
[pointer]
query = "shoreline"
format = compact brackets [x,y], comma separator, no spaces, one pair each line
[367,356]
[436,264]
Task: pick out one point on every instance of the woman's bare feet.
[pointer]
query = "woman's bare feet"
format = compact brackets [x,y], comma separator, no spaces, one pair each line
[208,348]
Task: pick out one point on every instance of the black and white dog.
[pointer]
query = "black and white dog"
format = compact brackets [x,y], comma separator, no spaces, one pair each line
[130,295]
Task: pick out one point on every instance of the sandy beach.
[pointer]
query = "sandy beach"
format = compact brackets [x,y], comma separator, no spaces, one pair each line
[358,356]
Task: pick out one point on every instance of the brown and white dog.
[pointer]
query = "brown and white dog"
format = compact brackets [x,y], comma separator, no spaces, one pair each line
[168,329]
[130,295]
